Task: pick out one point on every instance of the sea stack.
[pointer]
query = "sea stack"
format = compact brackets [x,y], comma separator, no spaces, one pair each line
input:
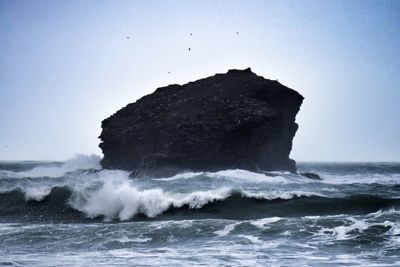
[236,120]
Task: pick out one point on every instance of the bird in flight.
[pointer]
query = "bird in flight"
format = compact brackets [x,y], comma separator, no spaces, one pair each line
[189,49]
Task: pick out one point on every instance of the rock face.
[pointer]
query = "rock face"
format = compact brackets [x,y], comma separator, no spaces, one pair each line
[227,121]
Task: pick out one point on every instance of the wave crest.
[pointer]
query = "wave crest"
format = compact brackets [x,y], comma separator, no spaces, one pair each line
[123,201]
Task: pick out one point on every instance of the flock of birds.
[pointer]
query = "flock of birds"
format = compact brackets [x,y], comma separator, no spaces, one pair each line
[189,49]
[128,37]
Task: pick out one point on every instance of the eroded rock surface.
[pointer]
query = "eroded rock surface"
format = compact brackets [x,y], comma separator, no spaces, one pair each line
[227,121]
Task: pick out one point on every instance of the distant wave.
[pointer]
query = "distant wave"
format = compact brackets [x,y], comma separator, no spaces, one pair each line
[243,176]
[238,175]
[82,163]
[370,178]
[79,162]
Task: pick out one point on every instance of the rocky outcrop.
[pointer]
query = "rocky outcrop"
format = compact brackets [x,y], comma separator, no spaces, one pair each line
[227,121]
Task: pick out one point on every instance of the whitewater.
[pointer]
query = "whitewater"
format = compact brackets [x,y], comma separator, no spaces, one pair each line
[74,213]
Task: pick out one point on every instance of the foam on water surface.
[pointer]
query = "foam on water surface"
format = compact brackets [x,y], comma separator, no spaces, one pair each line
[76,214]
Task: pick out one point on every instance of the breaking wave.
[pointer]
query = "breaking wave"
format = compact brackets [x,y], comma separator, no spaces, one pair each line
[79,190]
[121,201]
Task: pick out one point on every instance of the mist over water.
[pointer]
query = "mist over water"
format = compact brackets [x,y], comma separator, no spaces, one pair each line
[75,213]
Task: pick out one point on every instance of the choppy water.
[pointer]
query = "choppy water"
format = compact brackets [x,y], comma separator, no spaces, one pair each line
[74,214]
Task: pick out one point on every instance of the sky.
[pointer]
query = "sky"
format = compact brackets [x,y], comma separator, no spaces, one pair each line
[67,65]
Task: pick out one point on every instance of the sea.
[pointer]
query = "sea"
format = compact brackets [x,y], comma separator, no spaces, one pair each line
[73,213]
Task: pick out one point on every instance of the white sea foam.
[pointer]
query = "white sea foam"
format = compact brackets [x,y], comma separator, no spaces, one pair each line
[236,175]
[252,239]
[38,190]
[140,239]
[261,223]
[37,193]
[112,194]
[385,212]
[79,162]
[244,176]
[316,240]
[185,175]
[121,199]
[278,194]
[227,229]
[353,227]
[370,178]
[247,176]
[342,232]
[184,224]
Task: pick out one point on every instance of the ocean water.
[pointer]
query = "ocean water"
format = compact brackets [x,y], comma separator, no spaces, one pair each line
[75,214]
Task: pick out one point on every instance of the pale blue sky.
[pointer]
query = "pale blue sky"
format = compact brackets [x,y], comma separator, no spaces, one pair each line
[66,65]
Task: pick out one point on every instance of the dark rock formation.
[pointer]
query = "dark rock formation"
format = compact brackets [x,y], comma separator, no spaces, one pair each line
[227,121]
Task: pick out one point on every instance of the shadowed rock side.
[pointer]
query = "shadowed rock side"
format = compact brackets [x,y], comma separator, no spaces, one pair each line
[227,121]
